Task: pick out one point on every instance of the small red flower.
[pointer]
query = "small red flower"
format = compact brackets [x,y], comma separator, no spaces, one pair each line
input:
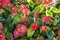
[2,36]
[36,14]
[59,32]
[1,26]
[47,1]
[21,28]
[38,1]
[24,20]
[26,11]
[44,28]
[46,18]
[22,6]
[34,26]
[14,10]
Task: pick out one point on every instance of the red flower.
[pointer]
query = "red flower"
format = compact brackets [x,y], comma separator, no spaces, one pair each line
[2,37]
[14,10]
[22,6]
[34,26]
[47,1]
[44,28]
[26,11]
[1,26]
[24,20]
[38,1]
[46,18]
[59,32]
[21,28]
[5,3]
[36,14]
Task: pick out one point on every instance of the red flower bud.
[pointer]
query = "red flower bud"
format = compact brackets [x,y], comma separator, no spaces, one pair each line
[24,20]
[14,10]
[59,32]
[34,26]
[36,14]
[46,18]
[44,28]
[26,11]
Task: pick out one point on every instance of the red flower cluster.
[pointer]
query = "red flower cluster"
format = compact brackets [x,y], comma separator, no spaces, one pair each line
[47,1]
[20,30]
[44,28]
[36,14]
[5,3]
[59,32]
[14,10]
[46,18]
[34,26]
[24,9]
[2,36]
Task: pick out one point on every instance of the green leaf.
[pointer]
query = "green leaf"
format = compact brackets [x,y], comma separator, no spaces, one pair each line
[16,19]
[55,10]
[50,34]
[39,8]
[30,32]
[23,38]
[49,13]
[31,3]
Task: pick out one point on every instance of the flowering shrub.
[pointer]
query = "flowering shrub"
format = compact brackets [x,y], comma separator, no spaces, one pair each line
[29,20]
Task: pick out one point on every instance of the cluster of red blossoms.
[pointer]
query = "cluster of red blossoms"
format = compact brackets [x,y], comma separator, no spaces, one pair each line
[20,30]
[24,9]
[34,26]
[2,35]
[46,18]
[5,3]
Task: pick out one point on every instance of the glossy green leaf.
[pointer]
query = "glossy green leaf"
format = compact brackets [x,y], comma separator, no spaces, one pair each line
[49,13]
[39,8]
[55,10]
[30,32]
